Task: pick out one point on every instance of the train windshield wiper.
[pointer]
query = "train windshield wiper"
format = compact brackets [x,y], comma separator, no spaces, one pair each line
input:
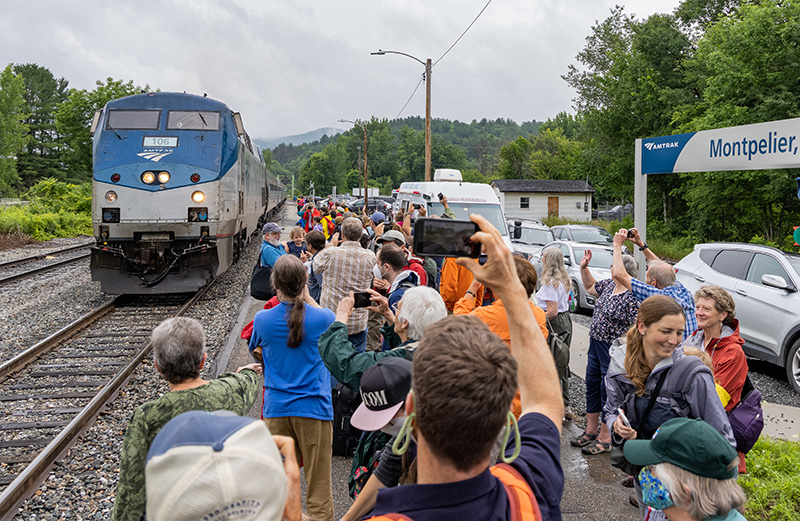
[202,119]
[109,127]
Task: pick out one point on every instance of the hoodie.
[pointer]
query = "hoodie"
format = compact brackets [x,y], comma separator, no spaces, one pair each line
[727,357]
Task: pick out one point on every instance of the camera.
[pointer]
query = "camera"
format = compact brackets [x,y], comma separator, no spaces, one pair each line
[441,196]
[630,234]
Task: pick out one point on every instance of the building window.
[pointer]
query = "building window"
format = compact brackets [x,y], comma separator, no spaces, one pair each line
[524,203]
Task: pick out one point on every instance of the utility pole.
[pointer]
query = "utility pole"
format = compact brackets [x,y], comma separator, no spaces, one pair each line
[428,66]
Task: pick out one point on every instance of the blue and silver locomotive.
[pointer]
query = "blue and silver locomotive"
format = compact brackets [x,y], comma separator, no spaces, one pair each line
[178,190]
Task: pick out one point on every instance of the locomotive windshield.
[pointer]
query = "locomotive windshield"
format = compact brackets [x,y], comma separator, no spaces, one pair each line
[133,119]
[192,120]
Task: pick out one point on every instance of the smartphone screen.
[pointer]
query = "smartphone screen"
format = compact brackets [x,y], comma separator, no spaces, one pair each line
[362,300]
[445,238]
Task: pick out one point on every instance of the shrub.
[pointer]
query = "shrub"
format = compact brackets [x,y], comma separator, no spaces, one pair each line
[44,226]
[772,482]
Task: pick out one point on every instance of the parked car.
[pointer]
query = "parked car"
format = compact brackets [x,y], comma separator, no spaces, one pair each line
[375,204]
[764,284]
[586,233]
[599,267]
[528,235]
[617,213]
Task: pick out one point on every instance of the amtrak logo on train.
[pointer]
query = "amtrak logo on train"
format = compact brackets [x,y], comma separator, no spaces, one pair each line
[155,154]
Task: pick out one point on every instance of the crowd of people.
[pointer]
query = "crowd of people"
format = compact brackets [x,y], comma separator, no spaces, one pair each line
[463,392]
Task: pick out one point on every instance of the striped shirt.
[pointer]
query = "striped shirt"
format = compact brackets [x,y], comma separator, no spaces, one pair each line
[344,269]
[678,292]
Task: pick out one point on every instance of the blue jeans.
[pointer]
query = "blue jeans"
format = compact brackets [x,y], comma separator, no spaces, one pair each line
[596,369]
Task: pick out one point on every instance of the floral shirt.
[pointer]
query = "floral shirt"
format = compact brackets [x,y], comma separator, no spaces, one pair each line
[613,314]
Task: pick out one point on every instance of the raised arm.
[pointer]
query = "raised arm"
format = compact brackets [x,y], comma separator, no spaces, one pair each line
[538,381]
[637,240]
[618,272]
[586,276]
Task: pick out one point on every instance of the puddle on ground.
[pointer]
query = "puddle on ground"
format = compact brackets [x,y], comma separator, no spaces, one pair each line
[576,464]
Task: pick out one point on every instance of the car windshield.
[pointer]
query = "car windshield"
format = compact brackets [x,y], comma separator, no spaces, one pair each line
[491,212]
[597,235]
[534,236]
[601,258]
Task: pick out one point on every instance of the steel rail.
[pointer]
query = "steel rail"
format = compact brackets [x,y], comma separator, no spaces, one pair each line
[35,351]
[34,474]
[36,271]
[40,256]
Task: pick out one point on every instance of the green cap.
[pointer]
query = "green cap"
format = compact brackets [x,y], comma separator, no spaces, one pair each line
[692,445]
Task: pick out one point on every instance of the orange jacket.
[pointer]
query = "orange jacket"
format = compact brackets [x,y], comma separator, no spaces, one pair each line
[455,282]
[494,316]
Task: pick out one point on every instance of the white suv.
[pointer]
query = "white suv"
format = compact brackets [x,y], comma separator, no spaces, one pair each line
[764,283]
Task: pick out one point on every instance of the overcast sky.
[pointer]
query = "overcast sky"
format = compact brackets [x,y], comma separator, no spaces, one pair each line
[291,66]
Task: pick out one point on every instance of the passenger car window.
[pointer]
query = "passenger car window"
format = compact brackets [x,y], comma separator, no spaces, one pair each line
[765,265]
[732,262]
[708,255]
[565,251]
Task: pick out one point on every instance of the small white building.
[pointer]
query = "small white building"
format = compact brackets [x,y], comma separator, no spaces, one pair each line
[540,198]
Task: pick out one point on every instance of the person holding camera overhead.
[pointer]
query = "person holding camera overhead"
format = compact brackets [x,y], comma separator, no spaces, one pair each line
[659,279]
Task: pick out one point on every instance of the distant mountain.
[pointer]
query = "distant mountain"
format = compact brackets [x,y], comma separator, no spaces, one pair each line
[308,137]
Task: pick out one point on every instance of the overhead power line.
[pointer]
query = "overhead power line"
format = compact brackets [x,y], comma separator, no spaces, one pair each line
[410,97]
[462,34]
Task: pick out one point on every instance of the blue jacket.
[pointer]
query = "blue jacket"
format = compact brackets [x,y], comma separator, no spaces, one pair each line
[270,253]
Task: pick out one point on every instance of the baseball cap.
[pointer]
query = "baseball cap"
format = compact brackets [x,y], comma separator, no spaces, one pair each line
[378,217]
[270,228]
[392,235]
[201,465]
[384,388]
[690,444]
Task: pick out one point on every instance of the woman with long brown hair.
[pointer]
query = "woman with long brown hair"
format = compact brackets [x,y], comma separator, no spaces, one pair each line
[297,391]
[651,381]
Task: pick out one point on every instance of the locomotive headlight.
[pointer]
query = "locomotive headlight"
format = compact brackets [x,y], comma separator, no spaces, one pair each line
[148,178]
[111,196]
[198,197]
[163,177]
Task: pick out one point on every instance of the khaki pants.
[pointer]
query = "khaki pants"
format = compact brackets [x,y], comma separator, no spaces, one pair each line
[374,323]
[314,439]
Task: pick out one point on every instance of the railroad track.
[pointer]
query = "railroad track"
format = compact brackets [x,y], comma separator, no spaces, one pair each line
[52,392]
[28,266]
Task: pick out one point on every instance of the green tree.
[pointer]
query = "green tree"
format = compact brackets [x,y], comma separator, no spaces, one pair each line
[747,67]
[43,93]
[74,117]
[515,160]
[13,130]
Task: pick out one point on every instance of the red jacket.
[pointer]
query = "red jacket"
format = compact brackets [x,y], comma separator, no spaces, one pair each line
[415,265]
[727,358]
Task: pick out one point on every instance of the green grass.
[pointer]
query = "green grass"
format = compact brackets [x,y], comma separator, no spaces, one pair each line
[667,249]
[772,482]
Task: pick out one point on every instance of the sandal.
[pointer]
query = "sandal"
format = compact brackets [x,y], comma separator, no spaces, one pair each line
[597,448]
[583,440]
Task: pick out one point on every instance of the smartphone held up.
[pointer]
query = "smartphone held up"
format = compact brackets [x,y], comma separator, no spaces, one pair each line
[362,299]
[445,238]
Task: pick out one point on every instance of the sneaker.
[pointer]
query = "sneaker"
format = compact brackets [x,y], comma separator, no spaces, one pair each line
[568,416]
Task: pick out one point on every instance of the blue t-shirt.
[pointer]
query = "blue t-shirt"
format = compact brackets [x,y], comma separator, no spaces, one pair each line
[484,496]
[296,382]
[270,253]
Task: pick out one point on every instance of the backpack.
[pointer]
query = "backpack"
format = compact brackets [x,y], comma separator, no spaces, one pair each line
[521,501]
[677,382]
[747,418]
[345,436]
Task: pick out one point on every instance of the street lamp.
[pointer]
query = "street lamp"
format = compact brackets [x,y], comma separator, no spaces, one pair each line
[364,126]
[427,65]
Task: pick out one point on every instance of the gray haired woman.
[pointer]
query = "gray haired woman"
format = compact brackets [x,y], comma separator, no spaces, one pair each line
[689,472]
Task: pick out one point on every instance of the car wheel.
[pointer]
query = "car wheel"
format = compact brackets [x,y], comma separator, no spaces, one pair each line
[575,301]
[793,366]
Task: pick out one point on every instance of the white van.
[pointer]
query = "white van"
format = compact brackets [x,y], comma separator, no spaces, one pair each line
[463,198]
